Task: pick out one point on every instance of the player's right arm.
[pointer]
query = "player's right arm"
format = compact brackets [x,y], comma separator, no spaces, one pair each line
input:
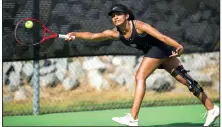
[105,35]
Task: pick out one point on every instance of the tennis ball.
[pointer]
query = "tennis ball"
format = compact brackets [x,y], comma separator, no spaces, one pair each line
[28,24]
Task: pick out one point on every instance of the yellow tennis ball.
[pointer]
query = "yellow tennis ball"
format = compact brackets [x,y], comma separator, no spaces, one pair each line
[28,24]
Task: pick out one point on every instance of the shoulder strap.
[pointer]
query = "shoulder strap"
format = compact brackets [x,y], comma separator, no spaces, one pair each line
[133,30]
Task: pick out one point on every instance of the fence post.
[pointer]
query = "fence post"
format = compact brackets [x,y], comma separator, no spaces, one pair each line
[36,86]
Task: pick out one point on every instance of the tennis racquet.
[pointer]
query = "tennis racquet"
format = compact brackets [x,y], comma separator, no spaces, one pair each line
[35,35]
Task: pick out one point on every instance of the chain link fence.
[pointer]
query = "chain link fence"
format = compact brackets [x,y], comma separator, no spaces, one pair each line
[195,24]
[103,82]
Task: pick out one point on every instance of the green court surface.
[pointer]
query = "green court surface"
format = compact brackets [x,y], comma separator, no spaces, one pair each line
[187,115]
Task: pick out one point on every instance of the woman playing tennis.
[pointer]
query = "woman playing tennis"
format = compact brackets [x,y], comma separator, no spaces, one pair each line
[160,52]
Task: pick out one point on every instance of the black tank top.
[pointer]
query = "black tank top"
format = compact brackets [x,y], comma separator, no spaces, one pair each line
[141,41]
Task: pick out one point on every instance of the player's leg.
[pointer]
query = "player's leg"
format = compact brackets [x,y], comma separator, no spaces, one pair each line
[147,66]
[174,67]
[170,65]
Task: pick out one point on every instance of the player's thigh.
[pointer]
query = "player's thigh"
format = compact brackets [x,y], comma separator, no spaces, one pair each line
[147,66]
[170,64]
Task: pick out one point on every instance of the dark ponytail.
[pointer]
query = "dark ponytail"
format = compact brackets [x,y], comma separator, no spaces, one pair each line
[131,15]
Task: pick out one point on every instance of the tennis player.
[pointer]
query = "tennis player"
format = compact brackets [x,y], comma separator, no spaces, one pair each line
[160,52]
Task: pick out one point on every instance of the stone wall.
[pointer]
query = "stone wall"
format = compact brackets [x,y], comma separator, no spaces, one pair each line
[106,72]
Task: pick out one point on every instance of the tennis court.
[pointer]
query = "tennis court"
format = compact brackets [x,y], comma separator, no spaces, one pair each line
[187,115]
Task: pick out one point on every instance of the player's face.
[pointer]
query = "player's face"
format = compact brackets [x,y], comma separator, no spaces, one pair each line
[118,18]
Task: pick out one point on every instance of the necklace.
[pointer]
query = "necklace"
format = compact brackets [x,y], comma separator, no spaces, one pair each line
[127,30]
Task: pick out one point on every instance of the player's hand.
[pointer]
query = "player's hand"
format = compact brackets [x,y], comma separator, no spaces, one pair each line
[178,52]
[71,37]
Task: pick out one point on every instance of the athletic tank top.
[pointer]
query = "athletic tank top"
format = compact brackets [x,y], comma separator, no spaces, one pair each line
[141,41]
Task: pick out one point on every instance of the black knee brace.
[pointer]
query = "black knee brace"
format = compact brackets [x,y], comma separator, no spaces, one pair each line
[193,85]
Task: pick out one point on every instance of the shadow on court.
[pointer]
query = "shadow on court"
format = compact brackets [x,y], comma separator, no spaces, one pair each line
[185,124]
[188,124]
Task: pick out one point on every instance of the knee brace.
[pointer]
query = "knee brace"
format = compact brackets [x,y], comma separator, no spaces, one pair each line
[193,85]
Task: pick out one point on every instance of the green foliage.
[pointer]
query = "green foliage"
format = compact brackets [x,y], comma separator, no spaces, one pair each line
[73,106]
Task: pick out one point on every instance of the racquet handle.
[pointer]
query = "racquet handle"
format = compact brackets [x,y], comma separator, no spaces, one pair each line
[65,36]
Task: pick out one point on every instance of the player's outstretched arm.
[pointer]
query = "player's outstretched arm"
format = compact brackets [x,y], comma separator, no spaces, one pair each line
[105,35]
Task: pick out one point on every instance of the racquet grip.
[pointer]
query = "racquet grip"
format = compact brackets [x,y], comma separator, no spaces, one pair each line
[65,36]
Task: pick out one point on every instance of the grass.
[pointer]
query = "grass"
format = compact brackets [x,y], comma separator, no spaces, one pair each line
[184,115]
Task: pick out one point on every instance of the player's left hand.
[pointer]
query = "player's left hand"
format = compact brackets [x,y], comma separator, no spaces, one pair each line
[178,52]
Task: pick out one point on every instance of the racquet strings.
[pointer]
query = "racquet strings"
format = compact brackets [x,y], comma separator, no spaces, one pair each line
[29,36]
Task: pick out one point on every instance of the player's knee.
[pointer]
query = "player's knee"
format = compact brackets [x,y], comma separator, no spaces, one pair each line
[140,77]
[181,80]
[193,85]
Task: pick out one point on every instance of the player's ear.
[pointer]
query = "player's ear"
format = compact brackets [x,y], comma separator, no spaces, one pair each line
[127,16]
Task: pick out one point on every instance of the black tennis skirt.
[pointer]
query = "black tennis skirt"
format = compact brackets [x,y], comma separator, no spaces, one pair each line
[159,52]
